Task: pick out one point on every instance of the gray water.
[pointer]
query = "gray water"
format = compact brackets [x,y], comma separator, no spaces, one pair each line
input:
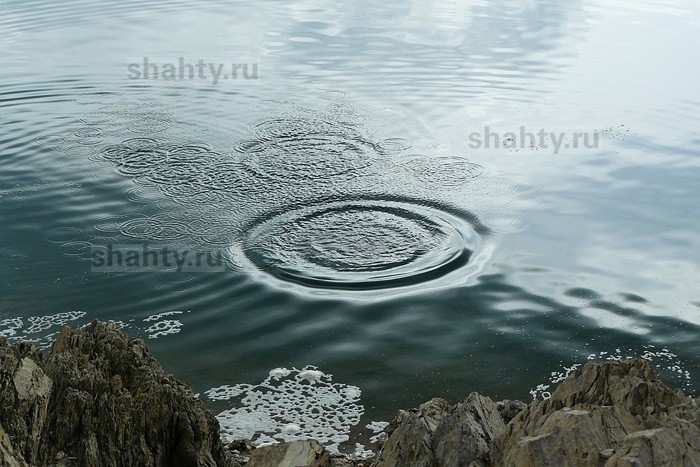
[363,230]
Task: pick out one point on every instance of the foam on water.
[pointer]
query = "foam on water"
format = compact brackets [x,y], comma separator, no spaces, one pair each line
[42,330]
[39,330]
[290,404]
[667,366]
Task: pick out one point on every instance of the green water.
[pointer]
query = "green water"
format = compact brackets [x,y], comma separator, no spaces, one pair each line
[362,229]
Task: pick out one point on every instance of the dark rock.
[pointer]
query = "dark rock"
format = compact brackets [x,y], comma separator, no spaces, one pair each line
[24,397]
[8,456]
[410,440]
[110,403]
[509,409]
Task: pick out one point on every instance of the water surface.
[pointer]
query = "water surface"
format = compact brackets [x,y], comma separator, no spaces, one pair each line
[364,233]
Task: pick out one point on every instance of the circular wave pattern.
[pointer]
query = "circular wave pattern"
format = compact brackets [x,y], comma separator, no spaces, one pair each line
[362,244]
[308,198]
[448,172]
[307,150]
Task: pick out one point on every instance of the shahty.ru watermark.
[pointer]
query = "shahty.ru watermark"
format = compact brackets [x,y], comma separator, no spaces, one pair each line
[533,139]
[181,69]
[149,258]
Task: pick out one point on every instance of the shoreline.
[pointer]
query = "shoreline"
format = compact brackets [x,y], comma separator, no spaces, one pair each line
[101,398]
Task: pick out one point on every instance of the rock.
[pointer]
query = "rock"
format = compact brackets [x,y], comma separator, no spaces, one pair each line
[438,434]
[463,437]
[509,409]
[612,414]
[128,410]
[240,451]
[8,456]
[679,445]
[307,453]
[410,441]
[24,397]
[102,399]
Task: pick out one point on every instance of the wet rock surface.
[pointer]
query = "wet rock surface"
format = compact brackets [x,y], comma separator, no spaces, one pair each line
[100,398]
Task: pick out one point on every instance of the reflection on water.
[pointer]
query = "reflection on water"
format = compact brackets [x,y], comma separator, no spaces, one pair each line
[363,234]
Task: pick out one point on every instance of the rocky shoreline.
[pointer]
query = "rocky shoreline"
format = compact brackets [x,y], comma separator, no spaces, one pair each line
[101,398]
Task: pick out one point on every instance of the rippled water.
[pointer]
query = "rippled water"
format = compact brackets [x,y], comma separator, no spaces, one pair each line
[361,229]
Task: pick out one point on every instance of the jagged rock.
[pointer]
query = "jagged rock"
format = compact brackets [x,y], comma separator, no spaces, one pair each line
[127,410]
[307,453]
[8,456]
[102,399]
[612,414]
[439,434]
[410,441]
[24,397]
[110,403]
[509,409]
[463,437]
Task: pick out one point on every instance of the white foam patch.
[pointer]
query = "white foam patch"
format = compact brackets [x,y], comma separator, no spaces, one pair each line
[361,452]
[291,404]
[43,330]
[667,367]
[43,323]
[378,429]
[121,324]
[35,329]
[161,316]
[10,327]
[163,328]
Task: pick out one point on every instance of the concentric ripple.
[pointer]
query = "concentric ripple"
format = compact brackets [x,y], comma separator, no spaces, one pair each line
[306,149]
[361,244]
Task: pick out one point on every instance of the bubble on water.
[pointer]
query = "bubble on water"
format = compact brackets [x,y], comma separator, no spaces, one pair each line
[668,367]
[38,330]
[287,406]
[163,328]
[160,316]
[10,327]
